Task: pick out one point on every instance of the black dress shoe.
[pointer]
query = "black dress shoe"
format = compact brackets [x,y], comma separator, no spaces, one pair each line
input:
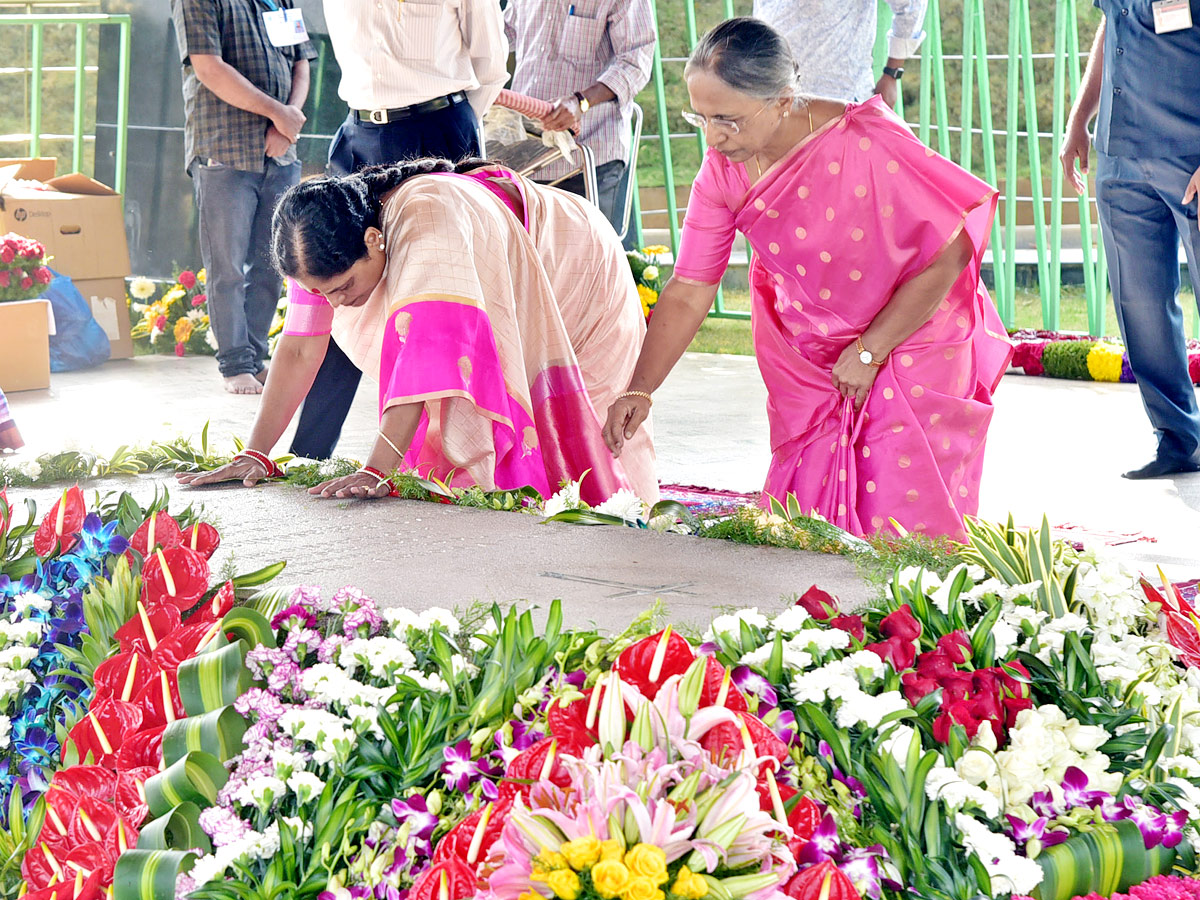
[1159,468]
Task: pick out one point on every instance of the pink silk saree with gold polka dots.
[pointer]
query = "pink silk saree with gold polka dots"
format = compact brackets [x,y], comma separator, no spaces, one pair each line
[855,210]
[515,334]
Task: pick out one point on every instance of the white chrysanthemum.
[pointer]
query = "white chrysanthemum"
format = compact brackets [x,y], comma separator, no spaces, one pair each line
[821,640]
[1009,872]
[624,504]
[306,786]
[23,603]
[791,619]
[141,288]
[731,623]
[31,469]
[566,498]
[436,615]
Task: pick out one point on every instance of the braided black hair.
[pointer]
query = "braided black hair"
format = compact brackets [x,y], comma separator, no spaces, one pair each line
[319,224]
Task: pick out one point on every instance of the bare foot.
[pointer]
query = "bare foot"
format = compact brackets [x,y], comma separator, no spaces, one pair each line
[261,375]
[243,384]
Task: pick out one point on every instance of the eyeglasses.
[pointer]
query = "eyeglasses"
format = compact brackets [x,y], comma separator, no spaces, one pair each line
[733,126]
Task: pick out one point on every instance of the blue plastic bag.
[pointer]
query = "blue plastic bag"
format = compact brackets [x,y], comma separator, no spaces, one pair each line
[78,341]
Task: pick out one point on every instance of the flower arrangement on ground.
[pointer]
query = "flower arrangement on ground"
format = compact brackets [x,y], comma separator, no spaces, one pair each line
[1078,356]
[644,264]
[175,320]
[23,273]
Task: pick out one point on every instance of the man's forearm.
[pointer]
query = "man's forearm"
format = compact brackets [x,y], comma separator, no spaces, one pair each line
[233,87]
[598,92]
[300,81]
[1087,101]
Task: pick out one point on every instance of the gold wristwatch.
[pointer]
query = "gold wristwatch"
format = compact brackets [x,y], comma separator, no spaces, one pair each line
[865,356]
[584,106]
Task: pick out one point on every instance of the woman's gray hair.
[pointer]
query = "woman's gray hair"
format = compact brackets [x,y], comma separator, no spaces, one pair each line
[748,55]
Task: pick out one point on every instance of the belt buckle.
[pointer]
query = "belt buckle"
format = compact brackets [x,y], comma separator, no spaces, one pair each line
[378,116]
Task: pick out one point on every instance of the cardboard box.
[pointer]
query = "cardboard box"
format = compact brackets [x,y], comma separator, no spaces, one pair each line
[106,297]
[25,345]
[79,220]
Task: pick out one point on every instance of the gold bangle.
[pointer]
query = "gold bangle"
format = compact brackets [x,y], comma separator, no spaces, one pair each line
[636,394]
[387,440]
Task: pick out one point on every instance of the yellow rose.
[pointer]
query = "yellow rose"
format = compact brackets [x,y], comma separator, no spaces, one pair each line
[610,878]
[564,883]
[612,850]
[650,273]
[642,888]
[689,885]
[581,852]
[648,861]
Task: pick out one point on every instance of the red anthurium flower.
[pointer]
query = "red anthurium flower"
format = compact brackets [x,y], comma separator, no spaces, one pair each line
[59,529]
[181,645]
[202,538]
[159,699]
[104,728]
[818,604]
[222,602]
[714,677]
[176,576]
[567,723]
[82,781]
[129,798]
[142,749]
[898,652]
[121,837]
[824,881]
[91,889]
[651,661]
[528,767]
[92,821]
[91,859]
[146,630]
[40,866]
[5,513]
[450,879]
[160,530]
[725,742]
[851,624]
[901,624]
[123,676]
[957,646]
[457,841]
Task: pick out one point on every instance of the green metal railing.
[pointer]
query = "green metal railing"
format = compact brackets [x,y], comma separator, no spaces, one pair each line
[36,26]
[935,127]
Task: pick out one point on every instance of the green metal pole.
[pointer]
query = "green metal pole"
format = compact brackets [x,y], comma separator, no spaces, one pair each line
[80,84]
[926,76]
[1008,299]
[664,131]
[35,93]
[1033,144]
[983,79]
[968,52]
[122,142]
[318,85]
[1056,173]
[939,82]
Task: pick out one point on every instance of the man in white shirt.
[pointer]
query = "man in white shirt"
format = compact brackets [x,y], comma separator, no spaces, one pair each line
[833,42]
[418,75]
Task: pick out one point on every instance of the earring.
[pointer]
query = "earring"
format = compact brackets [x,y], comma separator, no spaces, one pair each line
[786,113]
[381,246]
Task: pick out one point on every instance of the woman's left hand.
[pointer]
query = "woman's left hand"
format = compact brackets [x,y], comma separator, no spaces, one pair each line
[360,485]
[852,377]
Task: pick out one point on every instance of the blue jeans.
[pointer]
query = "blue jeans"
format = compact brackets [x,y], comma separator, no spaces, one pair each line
[235,243]
[1142,220]
[451,133]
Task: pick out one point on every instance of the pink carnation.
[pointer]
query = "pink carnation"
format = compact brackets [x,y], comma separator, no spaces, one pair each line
[5,278]
[199,299]
[180,349]
[7,253]
[26,283]
[188,279]
[42,275]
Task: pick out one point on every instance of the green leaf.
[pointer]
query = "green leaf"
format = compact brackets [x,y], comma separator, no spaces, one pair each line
[250,626]
[213,679]
[260,576]
[149,874]
[196,778]
[179,828]
[218,733]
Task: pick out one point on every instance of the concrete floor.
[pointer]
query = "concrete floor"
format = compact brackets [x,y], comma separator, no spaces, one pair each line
[1055,447]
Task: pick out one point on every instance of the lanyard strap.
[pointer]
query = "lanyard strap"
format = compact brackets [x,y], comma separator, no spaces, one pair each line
[271,5]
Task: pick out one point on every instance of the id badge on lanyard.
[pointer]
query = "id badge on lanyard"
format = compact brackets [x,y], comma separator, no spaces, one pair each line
[285,27]
[1171,15]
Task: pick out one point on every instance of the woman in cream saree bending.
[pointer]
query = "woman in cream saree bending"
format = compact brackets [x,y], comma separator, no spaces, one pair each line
[497,315]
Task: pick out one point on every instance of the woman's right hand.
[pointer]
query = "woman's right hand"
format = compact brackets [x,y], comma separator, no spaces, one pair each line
[248,471]
[625,416]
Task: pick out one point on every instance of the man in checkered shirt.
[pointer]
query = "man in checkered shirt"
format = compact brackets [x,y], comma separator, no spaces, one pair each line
[590,57]
[242,97]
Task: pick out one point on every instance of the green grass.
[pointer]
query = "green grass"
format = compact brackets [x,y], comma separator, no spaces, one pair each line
[733,335]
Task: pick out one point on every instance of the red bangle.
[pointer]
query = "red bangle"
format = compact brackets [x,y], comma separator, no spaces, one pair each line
[268,464]
[383,479]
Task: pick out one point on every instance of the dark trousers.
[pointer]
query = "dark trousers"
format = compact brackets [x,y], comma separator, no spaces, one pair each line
[235,210]
[1142,221]
[451,133]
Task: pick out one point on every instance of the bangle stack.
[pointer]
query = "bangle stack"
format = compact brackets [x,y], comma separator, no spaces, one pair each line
[268,464]
[642,394]
[383,479]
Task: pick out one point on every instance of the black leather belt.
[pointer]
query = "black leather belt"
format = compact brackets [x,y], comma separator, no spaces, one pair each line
[384,116]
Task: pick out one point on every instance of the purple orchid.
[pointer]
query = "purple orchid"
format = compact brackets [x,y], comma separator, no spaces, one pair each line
[823,844]
[784,727]
[861,866]
[1075,793]
[750,682]
[1173,828]
[1114,810]
[1043,804]
[576,679]
[421,821]
[460,771]
[1151,823]
[708,648]
[1023,832]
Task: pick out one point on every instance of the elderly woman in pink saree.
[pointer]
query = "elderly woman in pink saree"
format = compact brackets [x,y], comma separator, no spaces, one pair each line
[496,315]
[878,343]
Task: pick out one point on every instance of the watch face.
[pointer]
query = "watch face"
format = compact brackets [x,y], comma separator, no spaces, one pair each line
[866,358]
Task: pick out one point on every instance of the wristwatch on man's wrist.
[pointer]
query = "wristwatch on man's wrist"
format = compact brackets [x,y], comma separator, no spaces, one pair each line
[893,73]
[584,105]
